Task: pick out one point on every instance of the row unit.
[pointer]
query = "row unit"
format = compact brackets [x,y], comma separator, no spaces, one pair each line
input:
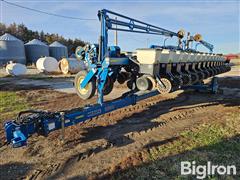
[154,56]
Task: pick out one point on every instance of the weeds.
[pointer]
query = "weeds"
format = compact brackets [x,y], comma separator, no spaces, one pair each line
[216,142]
[11,104]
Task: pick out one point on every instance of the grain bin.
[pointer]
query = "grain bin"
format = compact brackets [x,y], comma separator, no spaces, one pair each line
[11,49]
[58,51]
[35,49]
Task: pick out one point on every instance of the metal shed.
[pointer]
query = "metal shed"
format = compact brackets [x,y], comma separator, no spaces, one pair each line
[58,50]
[35,49]
[11,49]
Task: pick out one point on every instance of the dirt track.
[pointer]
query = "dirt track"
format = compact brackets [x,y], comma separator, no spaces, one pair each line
[104,144]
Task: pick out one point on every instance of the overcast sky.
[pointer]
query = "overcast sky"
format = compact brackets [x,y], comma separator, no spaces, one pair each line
[217,21]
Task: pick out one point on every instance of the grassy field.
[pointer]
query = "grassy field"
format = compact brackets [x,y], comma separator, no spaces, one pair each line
[11,104]
[216,142]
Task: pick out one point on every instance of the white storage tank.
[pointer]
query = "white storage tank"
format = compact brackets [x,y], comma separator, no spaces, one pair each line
[148,55]
[212,57]
[35,49]
[222,58]
[154,56]
[194,57]
[204,57]
[191,57]
[215,58]
[184,57]
[188,57]
[165,56]
[176,56]
[58,50]
[199,57]
[16,69]
[47,64]
[208,57]
[71,65]
[11,49]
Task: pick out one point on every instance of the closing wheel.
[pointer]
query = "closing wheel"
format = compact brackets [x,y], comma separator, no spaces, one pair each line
[186,79]
[178,81]
[194,78]
[167,86]
[108,87]
[89,90]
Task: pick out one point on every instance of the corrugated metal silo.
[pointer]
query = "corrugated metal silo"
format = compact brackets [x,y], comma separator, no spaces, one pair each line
[58,51]
[11,49]
[36,49]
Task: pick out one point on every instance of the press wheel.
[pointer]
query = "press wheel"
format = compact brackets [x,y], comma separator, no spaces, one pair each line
[167,86]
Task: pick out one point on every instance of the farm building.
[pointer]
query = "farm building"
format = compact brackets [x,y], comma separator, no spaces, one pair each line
[11,49]
[35,49]
[58,50]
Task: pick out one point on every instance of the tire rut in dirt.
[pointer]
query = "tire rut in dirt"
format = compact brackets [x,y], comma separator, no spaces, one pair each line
[164,121]
[128,114]
[44,173]
[117,140]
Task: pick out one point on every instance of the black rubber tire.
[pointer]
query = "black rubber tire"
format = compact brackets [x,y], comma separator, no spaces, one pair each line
[131,84]
[122,77]
[89,91]
[108,87]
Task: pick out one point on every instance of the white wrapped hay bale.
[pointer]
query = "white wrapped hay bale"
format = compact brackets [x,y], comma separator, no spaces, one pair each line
[47,64]
[16,69]
[71,65]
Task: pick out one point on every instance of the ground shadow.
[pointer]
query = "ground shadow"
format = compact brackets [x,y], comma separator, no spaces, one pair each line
[141,121]
[14,170]
[138,122]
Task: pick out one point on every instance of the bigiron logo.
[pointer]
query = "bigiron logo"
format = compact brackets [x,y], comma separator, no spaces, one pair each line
[202,171]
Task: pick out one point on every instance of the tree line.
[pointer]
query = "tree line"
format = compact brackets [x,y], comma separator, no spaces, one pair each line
[22,32]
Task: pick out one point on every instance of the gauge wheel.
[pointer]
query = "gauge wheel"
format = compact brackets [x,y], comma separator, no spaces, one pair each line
[108,86]
[131,84]
[89,90]
[167,86]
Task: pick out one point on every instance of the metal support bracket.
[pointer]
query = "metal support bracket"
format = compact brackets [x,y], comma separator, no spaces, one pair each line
[212,87]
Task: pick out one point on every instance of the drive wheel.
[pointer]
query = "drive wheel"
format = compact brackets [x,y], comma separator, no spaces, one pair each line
[167,86]
[89,90]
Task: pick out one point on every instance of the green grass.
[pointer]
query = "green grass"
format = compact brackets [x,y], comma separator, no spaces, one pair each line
[218,143]
[11,104]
